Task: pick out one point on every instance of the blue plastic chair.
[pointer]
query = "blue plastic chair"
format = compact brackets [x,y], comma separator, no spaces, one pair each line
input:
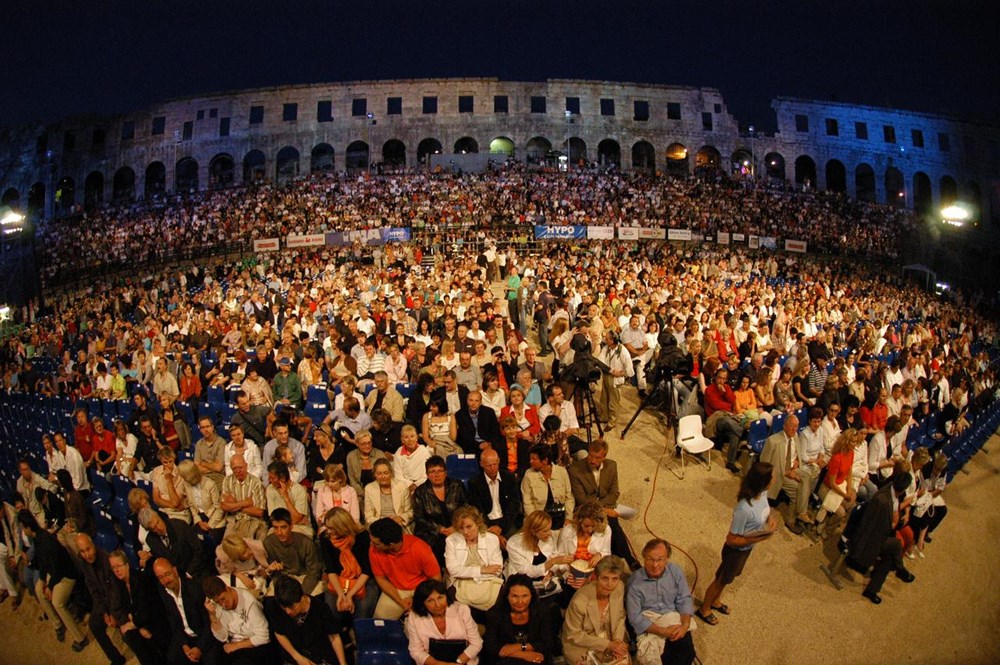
[381,642]
[106,539]
[759,431]
[462,467]
[778,423]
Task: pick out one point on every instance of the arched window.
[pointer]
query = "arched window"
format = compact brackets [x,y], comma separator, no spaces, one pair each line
[186,176]
[357,155]
[677,160]
[221,171]
[286,165]
[123,185]
[93,190]
[466,144]
[643,156]
[427,147]
[609,152]
[836,176]
[253,167]
[864,183]
[321,158]
[394,153]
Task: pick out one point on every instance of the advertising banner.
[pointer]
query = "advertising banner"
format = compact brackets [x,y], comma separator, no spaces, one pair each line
[266,245]
[396,235]
[652,234]
[754,242]
[628,233]
[722,237]
[795,245]
[560,232]
[767,242]
[738,237]
[337,238]
[601,232]
[679,234]
[309,240]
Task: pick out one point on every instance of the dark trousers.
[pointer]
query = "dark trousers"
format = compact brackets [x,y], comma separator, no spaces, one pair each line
[890,558]
[262,655]
[100,631]
[145,650]
[212,655]
[620,543]
[680,652]
[728,432]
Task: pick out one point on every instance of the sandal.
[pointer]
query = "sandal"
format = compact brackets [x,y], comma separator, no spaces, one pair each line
[709,618]
[722,609]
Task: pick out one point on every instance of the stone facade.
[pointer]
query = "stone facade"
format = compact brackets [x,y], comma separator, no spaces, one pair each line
[277,133]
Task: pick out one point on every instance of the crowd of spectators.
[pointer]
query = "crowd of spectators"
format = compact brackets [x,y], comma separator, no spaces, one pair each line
[121,236]
[322,494]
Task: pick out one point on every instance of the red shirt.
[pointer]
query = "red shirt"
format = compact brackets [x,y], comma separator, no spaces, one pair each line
[82,440]
[408,567]
[716,400]
[839,467]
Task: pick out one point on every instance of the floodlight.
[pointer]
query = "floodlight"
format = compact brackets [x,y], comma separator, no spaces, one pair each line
[11,218]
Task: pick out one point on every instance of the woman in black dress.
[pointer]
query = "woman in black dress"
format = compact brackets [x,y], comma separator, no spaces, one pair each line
[518,628]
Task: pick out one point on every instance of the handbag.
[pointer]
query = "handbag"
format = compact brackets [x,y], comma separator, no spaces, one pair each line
[480,594]
[447,651]
[605,658]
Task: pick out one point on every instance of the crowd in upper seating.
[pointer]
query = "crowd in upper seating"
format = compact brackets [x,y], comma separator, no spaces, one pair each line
[290,460]
[132,235]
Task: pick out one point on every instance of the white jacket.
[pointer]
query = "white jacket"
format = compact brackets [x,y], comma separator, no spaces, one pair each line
[519,559]
[600,543]
[456,553]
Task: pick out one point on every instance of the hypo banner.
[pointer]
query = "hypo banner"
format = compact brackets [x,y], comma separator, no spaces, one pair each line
[395,235]
[560,232]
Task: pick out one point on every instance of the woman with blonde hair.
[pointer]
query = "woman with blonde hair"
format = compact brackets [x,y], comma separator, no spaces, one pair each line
[586,538]
[203,501]
[244,560]
[350,585]
[534,551]
[334,492]
[838,485]
[474,560]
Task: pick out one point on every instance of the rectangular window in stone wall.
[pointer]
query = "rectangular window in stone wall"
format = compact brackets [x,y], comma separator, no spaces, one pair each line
[607,107]
[290,112]
[537,104]
[832,129]
[889,133]
[430,105]
[466,103]
[944,143]
[160,125]
[256,115]
[673,110]
[213,113]
[573,105]
[641,111]
[128,130]
[918,138]
[324,111]
[188,130]
[223,126]
[500,103]
[394,106]
[201,114]
[69,142]
[801,123]
[359,107]
[861,131]
[706,121]
[718,108]
[98,139]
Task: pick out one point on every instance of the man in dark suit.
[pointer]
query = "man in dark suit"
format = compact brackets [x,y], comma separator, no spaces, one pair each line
[595,479]
[456,396]
[497,495]
[875,543]
[191,639]
[477,425]
[174,540]
[96,569]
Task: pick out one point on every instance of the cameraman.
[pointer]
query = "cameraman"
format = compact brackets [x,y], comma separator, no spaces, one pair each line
[619,361]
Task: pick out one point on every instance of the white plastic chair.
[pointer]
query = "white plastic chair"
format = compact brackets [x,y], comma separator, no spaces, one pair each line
[690,440]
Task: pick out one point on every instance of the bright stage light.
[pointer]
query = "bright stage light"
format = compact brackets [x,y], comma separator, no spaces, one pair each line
[11,218]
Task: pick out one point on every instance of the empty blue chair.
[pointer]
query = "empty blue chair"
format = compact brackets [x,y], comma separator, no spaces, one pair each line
[381,642]
[778,423]
[317,393]
[759,431]
[106,539]
[100,488]
[317,412]
[406,389]
[216,396]
[462,467]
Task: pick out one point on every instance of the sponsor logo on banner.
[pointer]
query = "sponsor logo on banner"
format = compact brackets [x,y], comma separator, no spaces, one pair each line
[628,233]
[767,242]
[722,237]
[337,238]
[652,234]
[679,234]
[601,232]
[795,245]
[395,235]
[559,232]
[310,240]
[266,245]
[738,237]
[754,242]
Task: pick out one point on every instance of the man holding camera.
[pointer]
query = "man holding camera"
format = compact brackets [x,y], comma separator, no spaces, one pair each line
[619,361]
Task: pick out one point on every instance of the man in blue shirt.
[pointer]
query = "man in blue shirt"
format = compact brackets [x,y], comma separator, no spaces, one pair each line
[658,589]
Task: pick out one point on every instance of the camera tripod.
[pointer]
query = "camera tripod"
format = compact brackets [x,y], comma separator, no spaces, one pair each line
[660,397]
[586,408]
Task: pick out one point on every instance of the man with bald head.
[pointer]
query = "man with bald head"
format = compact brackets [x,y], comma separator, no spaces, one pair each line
[780,452]
[191,639]
[100,581]
[243,500]
[495,492]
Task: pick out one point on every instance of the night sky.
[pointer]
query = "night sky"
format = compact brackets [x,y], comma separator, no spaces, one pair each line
[62,58]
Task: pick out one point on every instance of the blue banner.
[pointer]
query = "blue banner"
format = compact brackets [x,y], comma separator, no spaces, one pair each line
[560,232]
[396,235]
[336,238]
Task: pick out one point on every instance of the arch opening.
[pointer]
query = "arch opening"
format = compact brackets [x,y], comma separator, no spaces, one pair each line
[253,167]
[286,165]
[610,152]
[357,156]
[186,176]
[836,176]
[677,160]
[321,158]
[123,185]
[394,153]
[864,183]
[221,171]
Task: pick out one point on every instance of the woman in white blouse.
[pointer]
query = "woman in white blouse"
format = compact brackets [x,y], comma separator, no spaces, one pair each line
[534,550]
[388,497]
[586,538]
[473,558]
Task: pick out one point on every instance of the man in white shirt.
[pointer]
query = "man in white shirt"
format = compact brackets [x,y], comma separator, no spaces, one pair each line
[409,459]
[237,620]
[613,354]
[559,406]
[812,456]
[74,463]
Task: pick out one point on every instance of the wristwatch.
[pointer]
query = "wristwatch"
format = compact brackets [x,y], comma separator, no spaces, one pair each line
[524,646]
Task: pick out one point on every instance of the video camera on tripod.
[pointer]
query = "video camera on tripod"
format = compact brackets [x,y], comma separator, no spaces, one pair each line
[585,368]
